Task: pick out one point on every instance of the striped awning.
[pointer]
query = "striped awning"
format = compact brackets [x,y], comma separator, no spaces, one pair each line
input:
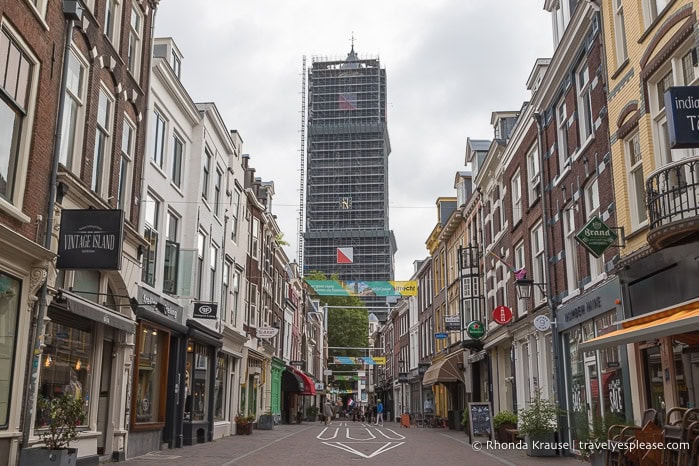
[445,370]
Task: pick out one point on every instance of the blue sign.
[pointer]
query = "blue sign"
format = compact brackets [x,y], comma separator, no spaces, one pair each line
[441,335]
[682,106]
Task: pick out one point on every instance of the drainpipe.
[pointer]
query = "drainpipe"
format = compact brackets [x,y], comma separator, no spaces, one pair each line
[72,10]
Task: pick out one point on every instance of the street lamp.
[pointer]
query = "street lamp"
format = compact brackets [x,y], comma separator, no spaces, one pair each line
[524,286]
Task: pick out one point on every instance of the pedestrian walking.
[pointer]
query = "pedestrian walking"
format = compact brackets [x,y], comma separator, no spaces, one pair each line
[327,411]
[379,413]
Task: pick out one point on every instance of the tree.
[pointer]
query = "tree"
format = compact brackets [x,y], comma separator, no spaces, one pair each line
[347,328]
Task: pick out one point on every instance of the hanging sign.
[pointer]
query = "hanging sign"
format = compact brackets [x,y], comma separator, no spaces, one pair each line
[475,330]
[90,239]
[452,323]
[205,310]
[596,236]
[682,105]
[542,323]
[441,335]
[502,315]
[267,332]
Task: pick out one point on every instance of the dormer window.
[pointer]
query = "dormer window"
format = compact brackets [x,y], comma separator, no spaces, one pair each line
[176,64]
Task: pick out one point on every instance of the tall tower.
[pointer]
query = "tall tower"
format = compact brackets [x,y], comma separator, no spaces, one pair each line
[347,229]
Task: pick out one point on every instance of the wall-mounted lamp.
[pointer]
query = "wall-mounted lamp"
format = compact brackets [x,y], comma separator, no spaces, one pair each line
[524,286]
[61,190]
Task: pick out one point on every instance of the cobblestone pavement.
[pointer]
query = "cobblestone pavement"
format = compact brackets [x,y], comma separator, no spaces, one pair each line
[344,443]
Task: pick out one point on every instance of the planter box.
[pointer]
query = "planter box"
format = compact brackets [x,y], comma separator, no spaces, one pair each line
[501,434]
[266,422]
[46,457]
[243,429]
[598,458]
[539,445]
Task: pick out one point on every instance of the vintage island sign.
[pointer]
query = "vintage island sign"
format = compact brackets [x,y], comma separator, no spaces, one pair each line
[596,236]
[90,239]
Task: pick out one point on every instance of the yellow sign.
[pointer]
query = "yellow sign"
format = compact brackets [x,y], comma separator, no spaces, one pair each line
[380,360]
[408,288]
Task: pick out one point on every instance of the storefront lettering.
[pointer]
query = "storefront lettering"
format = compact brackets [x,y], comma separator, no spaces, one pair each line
[582,309]
[616,399]
[105,241]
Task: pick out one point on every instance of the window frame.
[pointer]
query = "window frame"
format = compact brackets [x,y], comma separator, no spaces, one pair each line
[620,45]
[126,161]
[134,54]
[561,118]
[632,145]
[178,159]
[163,356]
[104,132]
[516,197]
[583,88]
[570,246]
[71,154]
[112,22]
[538,252]
[151,230]
[172,249]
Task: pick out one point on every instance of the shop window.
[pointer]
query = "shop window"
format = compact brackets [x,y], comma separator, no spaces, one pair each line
[220,388]
[9,310]
[67,365]
[653,369]
[196,405]
[151,374]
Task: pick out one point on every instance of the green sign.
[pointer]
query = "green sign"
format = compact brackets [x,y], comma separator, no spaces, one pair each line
[475,330]
[596,236]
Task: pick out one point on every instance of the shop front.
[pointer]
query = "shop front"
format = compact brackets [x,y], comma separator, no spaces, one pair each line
[278,367]
[596,380]
[201,363]
[446,377]
[156,404]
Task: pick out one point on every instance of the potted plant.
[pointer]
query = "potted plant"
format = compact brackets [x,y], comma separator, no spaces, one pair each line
[464,422]
[539,423]
[502,422]
[266,421]
[59,418]
[243,424]
[311,413]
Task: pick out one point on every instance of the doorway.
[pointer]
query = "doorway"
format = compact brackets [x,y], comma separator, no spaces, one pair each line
[103,404]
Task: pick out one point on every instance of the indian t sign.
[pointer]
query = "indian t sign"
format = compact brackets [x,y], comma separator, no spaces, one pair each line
[596,236]
[682,104]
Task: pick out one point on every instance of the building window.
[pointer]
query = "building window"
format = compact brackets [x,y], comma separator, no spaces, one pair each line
[149,398]
[16,74]
[534,176]
[213,266]
[73,113]
[255,238]
[177,159]
[516,198]
[176,64]
[9,311]
[584,88]
[252,308]
[225,289]
[562,135]
[134,52]
[236,298]
[128,142]
[619,32]
[636,183]
[217,192]
[112,16]
[105,109]
[172,254]
[653,8]
[538,261]
[206,174]
[520,263]
[201,242]
[151,220]
[220,388]
[67,367]
[235,210]
[197,384]
[158,139]
[678,71]
[570,248]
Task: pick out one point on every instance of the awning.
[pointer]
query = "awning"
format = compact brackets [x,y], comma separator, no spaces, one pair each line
[445,370]
[93,311]
[681,319]
[292,382]
[309,387]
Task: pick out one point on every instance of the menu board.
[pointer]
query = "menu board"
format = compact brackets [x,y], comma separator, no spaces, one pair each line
[480,420]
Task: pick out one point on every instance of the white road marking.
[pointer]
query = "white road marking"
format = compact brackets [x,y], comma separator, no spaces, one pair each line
[321,437]
[382,449]
[397,435]
[360,428]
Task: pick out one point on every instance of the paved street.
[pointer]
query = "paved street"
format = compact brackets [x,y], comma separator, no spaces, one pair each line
[343,443]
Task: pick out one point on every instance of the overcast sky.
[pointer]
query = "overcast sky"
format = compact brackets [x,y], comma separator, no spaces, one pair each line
[449,65]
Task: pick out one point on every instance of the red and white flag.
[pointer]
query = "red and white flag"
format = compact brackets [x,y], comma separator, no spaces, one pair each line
[345,255]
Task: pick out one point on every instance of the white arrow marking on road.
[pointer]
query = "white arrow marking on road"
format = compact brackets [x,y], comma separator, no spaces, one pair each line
[384,448]
[320,436]
[353,438]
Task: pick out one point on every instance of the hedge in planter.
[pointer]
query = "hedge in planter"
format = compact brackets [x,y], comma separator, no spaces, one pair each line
[539,422]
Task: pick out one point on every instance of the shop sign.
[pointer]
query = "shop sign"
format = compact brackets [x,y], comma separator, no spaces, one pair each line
[682,104]
[589,305]
[267,332]
[159,305]
[441,335]
[502,315]
[475,330]
[90,239]
[205,310]
[596,236]
[542,323]
[293,363]
[320,386]
[452,323]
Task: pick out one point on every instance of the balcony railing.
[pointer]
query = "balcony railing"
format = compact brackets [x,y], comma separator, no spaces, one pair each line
[673,202]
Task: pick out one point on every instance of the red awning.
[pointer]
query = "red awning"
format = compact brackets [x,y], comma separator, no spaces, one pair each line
[309,385]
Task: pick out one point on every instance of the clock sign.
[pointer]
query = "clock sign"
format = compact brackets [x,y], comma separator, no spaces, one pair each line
[502,315]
